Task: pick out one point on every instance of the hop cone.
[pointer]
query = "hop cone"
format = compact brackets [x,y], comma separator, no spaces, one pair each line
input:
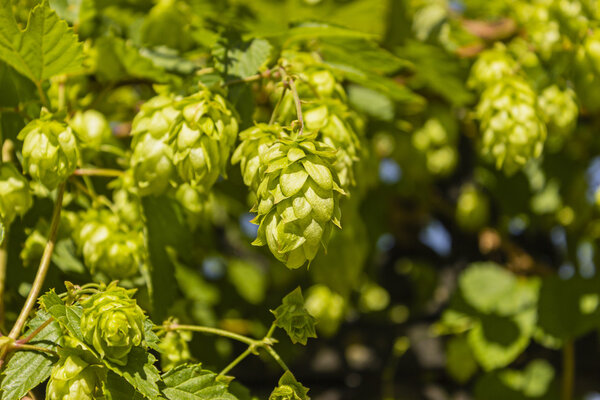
[174,349]
[289,389]
[15,198]
[112,323]
[50,151]
[73,378]
[560,111]
[91,127]
[106,247]
[327,306]
[152,159]
[294,318]
[436,139]
[297,199]
[491,66]
[203,138]
[512,130]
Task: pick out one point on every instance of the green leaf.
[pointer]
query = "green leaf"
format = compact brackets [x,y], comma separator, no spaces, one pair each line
[569,308]
[191,382]
[497,340]
[118,60]
[165,228]
[371,102]
[484,285]
[460,362]
[249,280]
[68,317]
[117,388]
[237,59]
[139,372]
[27,369]
[294,318]
[47,47]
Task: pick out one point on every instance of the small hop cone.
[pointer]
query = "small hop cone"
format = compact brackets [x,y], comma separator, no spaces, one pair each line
[298,199]
[152,159]
[294,318]
[112,323]
[106,247]
[174,349]
[289,389]
[511,126]
[203,138]
[50,152]
[73,378]
[491,66]
[560,111]
[91,127]
[15,197]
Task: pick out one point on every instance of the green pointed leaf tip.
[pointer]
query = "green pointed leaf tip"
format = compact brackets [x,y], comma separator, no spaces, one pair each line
[294,318]
[289,389]
[46,48]
[191,381]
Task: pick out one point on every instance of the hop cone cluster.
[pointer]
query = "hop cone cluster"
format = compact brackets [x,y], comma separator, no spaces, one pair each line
[73,378]
[182,140]
[50,151]
[436,139]
[560,111]
[15,197]
[298,195]
[112,323]
[325,111]
[108,245]
[512,129]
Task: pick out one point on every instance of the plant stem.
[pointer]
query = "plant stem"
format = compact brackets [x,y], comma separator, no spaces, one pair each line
[235,362]
[276,357]
[3,260]
[266,74]
[42,269]
[568,372]
[20,347]
[42,95]
[276,109]
[290,82]
[35,332]
[98,172]
[214,331]
[62,93]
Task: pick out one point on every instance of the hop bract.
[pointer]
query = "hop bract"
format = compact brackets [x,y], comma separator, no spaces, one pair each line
[112,323]
[203,138]
[106,246]
[50,151]
[297,199]
[511,128]
[73,378]
[491,66]
[152,159]
[91,127]
[15,198]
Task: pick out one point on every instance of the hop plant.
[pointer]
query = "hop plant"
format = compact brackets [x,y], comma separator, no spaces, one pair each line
[91,127]
[15,197]
[289,389]
[297,199]
[327,307]
[436,139]
[72,378]
[294,318]
[50,153]
[152,159]
[106,247]
[112,323]
[512,129]
[174,349]
[203,138]
[491,66]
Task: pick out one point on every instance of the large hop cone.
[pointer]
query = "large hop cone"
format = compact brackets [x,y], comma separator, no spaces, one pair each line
[203,138]
[512,129]
[152,160]
[297,199]
[492,66]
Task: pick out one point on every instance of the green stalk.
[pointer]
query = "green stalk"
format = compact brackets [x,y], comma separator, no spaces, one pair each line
[568,370]
[235,362]
[214,331]
[42,269]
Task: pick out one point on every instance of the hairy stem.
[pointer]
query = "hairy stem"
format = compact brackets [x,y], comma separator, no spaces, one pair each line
[235,362]
[30,347]
[290,82]
[35,332]
[214,331]
[98,172]
[276,109]
[568,372]
[276,357]
[42,269]
[42,95]
[266,74]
